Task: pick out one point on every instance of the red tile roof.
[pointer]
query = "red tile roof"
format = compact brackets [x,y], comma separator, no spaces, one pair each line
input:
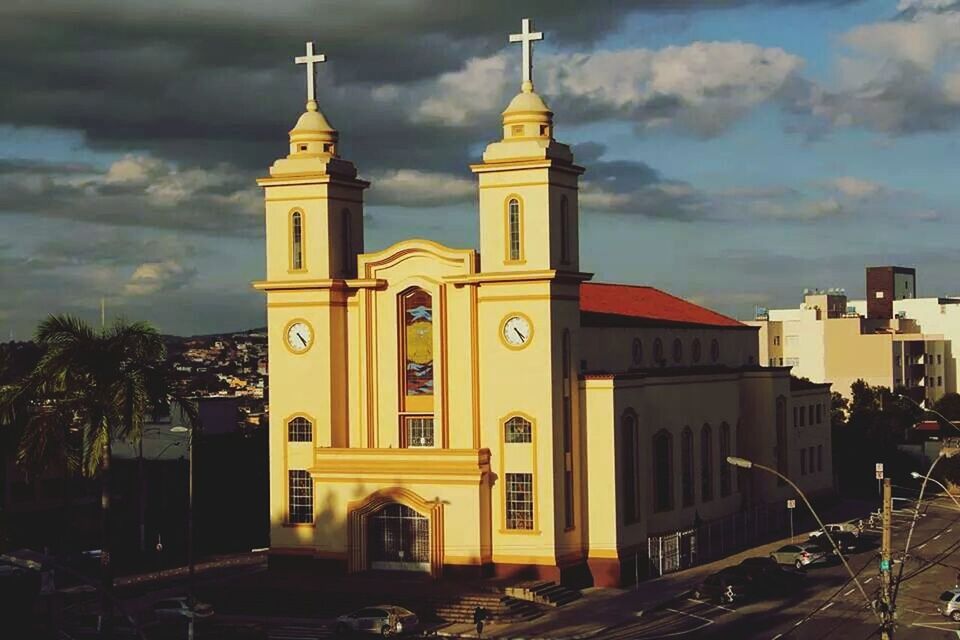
[649,304]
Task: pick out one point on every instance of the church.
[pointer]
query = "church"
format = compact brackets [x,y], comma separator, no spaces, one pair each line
[497,412]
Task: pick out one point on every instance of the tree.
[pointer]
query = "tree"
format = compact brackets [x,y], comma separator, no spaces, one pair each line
[949,406]
[839,408]
[99,382]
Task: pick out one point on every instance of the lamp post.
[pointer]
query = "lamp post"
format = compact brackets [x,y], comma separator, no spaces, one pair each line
[924,409]
[916,476]
[179,429]
[748,464]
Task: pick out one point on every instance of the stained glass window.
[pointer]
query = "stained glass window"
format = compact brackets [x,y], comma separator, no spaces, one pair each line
[418,332]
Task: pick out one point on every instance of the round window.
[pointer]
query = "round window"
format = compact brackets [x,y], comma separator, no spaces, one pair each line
[696,350]
[714,350]
[677,350]
[637,352]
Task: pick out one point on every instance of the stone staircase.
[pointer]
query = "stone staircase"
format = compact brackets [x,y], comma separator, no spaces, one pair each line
[543,592]
[500,608]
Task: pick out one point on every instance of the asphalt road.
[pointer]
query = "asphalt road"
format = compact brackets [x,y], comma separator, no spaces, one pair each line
[825,603]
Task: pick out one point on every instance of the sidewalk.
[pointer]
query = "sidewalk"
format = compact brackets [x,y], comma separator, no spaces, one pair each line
[601,609]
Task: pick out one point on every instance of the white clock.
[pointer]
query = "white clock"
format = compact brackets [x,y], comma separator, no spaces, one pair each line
[299,336]
[516,331]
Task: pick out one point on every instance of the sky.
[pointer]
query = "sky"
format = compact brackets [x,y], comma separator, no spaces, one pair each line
[737,151]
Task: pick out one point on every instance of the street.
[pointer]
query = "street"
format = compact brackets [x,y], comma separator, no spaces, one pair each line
[826,603]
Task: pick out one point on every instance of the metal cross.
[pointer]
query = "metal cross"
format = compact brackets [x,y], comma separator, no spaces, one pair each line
[310,60]
[526,38]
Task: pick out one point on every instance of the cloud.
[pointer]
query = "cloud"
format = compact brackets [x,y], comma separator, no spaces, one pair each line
[856,187]
[634,187]
[700,89]
[135,191]
[153,277]
[413,188]
[899,77]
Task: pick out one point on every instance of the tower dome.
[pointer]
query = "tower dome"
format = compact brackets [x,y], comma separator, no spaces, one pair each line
[313,135]
[527,116]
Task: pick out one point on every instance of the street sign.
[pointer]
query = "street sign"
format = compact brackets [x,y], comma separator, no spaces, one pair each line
[879,475]
[879,467]
[884,565]
[791,504]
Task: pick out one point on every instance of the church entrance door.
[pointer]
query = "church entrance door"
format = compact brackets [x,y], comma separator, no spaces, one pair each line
[398,539]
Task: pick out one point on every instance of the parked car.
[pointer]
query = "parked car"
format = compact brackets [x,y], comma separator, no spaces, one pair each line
[799,555]
[179,608]
[837,527]
[950,604]
[766,571]
[724,586]
[384,620]
[845,541]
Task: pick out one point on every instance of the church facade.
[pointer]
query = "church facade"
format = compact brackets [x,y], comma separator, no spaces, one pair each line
[459,412]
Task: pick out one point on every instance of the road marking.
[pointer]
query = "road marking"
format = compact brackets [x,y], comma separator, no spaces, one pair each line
[798,623]
[827,606]
[936,537]
[949,530]
[867,580]
[779,635]
[922,545]
[692,615]
[849,592]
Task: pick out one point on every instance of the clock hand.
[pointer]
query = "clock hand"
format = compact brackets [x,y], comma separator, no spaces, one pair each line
[301,339]
[522,337]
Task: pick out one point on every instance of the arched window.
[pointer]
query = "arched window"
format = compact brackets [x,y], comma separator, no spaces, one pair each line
[714,350]
[514,237]
[517,430]
[706,463]
[677,350]
[564,230]
[299,430]
[636,354]
[347,240]
[296,241]
[629,468]
[696,351]
[725,480]
[662,471]
[658,351]
[686,466]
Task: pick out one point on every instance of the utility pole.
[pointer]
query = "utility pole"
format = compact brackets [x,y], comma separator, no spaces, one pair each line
[886,577]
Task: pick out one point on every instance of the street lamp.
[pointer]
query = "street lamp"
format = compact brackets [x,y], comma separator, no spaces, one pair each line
[916,476]
[945,452]
[749,464]
[922,408]
[180,429]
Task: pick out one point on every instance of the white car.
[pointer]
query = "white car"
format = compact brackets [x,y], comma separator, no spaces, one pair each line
[950,604]
[837,527]
[383,620]
[179,608]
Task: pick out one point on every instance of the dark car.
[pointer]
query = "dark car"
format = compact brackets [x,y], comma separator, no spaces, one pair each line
[767,574]
[846,543]
[724,587]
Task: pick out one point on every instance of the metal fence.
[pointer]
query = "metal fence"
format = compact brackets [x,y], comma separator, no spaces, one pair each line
[713,539]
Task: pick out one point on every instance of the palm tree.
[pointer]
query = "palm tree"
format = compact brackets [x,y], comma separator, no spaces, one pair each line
[102,380]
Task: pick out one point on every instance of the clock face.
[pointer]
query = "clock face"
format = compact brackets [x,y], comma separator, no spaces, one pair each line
[299,336]
[517,332]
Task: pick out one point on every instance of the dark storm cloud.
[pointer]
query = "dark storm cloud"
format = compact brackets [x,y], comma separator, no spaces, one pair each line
[203,81]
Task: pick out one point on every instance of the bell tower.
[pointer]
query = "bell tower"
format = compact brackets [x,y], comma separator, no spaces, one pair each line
[314,232]
[529,291]
[528,186]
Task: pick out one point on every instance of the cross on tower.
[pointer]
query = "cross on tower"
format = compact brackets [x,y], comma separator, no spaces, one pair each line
[310,60]
[526,39]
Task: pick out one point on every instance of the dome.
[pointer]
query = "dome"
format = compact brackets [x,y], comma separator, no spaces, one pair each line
[527,116]
[313,134]
[527,102]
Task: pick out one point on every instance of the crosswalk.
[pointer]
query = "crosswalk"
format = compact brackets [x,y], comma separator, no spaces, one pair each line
[301,632]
